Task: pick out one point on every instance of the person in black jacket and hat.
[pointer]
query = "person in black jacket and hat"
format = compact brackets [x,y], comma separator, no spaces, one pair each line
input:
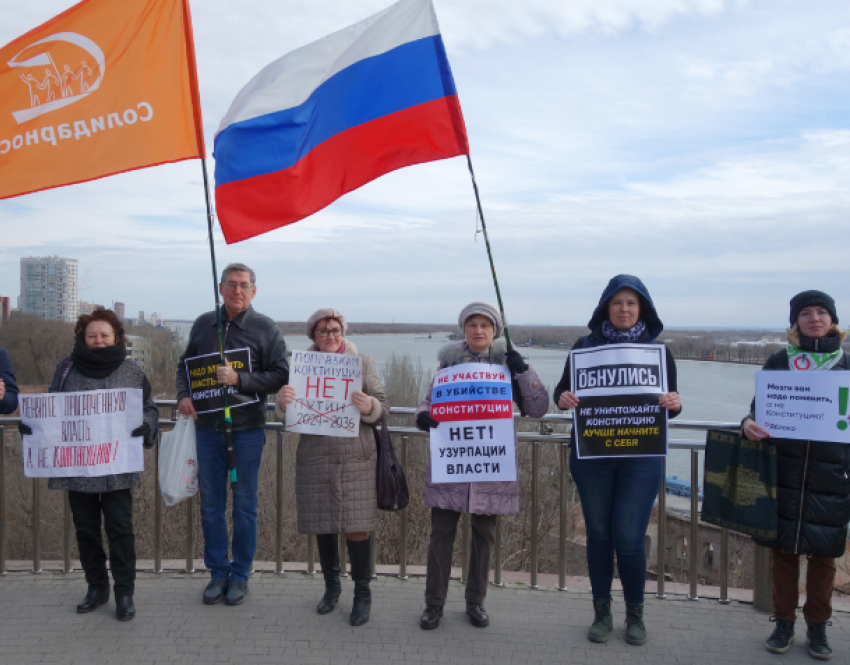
[813,479]
[617,493]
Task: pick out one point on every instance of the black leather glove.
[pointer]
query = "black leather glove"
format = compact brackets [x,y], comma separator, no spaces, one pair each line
[424,421]
[515,362]
[143,430]
[24,429]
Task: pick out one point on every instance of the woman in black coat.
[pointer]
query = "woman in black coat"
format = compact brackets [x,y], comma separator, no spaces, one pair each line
[813,491]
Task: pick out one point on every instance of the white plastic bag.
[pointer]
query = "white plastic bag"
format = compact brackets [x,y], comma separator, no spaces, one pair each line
[178,462]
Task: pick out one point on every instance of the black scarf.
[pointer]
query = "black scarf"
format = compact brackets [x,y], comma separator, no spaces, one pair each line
[97,363]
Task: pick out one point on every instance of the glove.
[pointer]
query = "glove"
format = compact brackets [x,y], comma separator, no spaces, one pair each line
[515,362]
[424,421]
[143,430]
[24,429]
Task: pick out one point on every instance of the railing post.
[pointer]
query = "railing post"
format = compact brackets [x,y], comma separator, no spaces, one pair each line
[724,566]
[762,592]
[278,536]
[693,561]
[66,532]
[661,553]
[2,500]
[403,520]
[36,526]
[311,556]
[535,467]
[497,553]
[562,525]
[464,547]
[190,536]
[157,510]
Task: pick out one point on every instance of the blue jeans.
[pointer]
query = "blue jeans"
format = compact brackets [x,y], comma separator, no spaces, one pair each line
[212,474]
[617,495]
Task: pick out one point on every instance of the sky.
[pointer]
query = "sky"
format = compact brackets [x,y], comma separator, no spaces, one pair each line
[702,145]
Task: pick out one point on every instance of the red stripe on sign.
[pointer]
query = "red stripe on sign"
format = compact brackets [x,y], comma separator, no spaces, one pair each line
[422,133]
[489,410]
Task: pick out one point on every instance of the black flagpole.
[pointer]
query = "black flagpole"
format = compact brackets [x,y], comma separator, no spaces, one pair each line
[228,421]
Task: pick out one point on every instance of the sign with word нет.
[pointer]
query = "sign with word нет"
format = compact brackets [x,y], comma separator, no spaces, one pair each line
[475,439]
[82,434]
[618,387]
[804,405]
[323,385]
[203,384]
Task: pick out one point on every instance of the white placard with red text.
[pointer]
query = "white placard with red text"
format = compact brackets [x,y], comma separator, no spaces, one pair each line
[82,434]
[323,385]
[475,439]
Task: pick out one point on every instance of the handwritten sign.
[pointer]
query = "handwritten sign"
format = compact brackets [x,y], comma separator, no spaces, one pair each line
[82,434]
[475,439]
[323,385]
[804,405]
[618,387]
[203,385]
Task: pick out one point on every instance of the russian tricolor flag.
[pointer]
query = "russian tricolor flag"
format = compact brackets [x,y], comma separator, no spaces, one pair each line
[333,115]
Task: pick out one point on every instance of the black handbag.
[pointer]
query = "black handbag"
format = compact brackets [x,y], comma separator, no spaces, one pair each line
[391,482]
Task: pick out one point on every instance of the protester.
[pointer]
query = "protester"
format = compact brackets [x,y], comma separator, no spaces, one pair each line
[99,362]
[335,476]
[244,328]
[617,493]
[8,387]
[813,493]
[481,324]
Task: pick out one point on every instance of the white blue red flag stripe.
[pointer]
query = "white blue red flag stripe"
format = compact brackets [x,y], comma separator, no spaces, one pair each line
[333,115]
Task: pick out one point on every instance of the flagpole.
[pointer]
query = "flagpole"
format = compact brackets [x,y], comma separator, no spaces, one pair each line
[228,421]
[490,254]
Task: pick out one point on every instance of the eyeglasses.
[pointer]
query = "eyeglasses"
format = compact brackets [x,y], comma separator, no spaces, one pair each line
[324,332]
[243,286]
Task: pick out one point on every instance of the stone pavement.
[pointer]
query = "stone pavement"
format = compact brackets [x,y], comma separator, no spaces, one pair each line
[279,624]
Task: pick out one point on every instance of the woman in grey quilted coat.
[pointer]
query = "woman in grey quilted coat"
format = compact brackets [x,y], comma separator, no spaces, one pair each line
[335,476]
[99,362]
[481,325]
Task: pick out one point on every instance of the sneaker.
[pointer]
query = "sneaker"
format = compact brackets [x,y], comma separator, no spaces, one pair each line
[817,642]
[603,622]
[236,593]
[635,630]
[783,636]
[214,593]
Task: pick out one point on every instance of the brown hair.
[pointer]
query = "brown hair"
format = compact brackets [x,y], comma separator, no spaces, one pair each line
[101,314]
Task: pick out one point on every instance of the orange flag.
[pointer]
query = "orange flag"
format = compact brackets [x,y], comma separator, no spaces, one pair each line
[105,87]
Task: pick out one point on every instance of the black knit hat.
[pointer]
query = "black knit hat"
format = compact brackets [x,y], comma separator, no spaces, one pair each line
[812,299]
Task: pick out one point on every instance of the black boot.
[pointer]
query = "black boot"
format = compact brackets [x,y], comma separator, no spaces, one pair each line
[358,554]
[95,597]
[329,559]
[125,610]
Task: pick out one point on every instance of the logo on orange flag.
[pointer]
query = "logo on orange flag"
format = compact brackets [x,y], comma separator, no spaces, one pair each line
[103,88]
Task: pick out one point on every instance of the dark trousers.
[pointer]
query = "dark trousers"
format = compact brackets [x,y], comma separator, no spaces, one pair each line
[443,531]
[117,509]
[785,575]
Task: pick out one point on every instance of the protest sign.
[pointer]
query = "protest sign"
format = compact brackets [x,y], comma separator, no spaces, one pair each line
[82,434]
[804,405]
[475,439]
[323,385]
[618,387]
[203,385]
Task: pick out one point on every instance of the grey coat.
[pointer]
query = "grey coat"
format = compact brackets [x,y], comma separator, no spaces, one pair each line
[128,375]
[335,476]
[486,498]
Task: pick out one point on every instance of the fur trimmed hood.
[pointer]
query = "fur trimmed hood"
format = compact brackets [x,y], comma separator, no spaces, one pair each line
[457,353]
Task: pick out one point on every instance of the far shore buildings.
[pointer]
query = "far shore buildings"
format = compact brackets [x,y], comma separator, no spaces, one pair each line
[49,288]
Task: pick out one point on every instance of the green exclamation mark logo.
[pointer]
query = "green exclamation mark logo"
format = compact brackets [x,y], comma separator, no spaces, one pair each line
[843,394]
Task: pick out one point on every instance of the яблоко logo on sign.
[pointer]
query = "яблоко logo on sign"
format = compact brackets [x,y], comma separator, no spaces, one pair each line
[59,88]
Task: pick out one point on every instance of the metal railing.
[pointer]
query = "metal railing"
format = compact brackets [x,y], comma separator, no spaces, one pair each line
[544,436]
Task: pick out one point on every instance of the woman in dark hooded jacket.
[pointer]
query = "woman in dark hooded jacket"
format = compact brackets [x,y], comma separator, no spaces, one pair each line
[813,485]
[617,494]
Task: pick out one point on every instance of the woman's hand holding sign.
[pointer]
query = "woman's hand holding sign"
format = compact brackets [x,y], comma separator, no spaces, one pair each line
[670,401]
[362,401]
[286,395]
[753,432]
[567,400]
